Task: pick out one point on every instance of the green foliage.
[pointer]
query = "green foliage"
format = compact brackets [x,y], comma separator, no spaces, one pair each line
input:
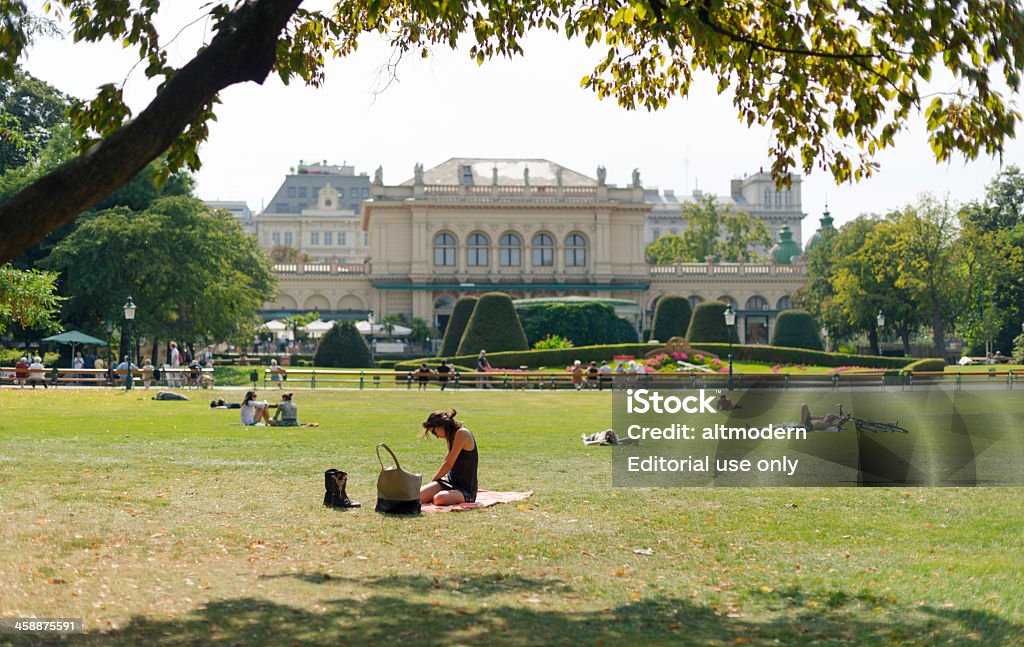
[552,342]
[1018,349]
[192,272]
[493,326]
[796,329]
[712,230]
[30,111]
[777,355]
[461,313]
[586,323]
[671,318]
[708,324]
[536,358]
[297,322]
[343,347]
[927,365]
[28,298]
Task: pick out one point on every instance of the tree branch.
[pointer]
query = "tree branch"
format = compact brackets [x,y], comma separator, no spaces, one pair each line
[244,49]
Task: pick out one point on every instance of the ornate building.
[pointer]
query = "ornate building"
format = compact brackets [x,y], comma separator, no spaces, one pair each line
[527,227]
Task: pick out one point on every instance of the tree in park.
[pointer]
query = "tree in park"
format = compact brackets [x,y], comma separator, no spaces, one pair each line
[834,81]
[494,326]
[461,313]
[796,329]
[671,318]
[712,230]
[343,347]
[708,324]
[584,323]
[191,270]
[27,299]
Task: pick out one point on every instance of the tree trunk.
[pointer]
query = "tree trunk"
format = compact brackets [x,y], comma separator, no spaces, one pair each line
[243,49]
[873,341]
[905,335]
[939,336]
[155,355]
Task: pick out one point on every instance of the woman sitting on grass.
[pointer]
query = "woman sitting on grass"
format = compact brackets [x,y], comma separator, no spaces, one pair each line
[254,412]
[287,414]
[455,482]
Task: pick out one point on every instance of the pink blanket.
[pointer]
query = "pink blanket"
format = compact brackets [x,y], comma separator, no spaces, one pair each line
[484,499]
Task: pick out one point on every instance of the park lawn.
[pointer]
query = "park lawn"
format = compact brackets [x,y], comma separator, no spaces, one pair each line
[168,523]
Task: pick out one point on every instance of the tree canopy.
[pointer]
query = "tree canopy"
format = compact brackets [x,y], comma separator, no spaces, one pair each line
[834,81]
[712,230]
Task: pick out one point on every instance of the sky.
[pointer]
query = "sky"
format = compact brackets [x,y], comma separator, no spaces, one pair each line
[530,107]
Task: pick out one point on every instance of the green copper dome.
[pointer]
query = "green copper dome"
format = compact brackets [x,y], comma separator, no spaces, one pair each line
[826,226]
[784,251]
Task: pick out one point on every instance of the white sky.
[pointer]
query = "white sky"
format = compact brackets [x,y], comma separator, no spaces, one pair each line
[446,106]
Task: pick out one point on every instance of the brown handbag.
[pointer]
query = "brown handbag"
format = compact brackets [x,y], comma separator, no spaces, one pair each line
[398,491]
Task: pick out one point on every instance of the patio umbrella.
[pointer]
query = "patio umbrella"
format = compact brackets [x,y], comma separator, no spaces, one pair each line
[74,338]
[316,329]
[380,329]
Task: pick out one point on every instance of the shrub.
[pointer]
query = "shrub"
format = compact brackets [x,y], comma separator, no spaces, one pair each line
[927,365]
[587,324]
[343,347]
[796,329]
[708,324]
[671,318]
[779,355]
[461,313]
[537,358]
[494,326]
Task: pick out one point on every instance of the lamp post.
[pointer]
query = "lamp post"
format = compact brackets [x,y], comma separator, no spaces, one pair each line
[880,320]
[824,337]
[129,316]
[730,321]
[370,319]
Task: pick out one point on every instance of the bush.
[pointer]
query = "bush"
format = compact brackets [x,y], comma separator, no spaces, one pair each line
[708,324]
[796,329]
[461,313]
[537,358]
[494,326]
[671,318]
[927,365]
[586,324]
[553,341]
[343,347]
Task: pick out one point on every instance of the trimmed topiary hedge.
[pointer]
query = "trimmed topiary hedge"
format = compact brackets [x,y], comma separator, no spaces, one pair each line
[671,318]
[584,324]
[796,329]
[343,347]
[461,313]
[780,355]
[559,357]
[927,365]
[494,327]
[708,324]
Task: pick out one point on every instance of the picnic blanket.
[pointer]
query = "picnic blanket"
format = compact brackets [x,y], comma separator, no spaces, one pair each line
[484,499]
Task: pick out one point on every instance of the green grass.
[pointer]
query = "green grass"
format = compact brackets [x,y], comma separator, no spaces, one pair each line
[168,523]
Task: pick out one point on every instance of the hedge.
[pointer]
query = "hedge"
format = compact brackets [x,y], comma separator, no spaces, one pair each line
[796,329]
[927,365]
[461,313]
[558,357]
[671,318]
[708,324]
[494,326]
[780,355]
[585,324]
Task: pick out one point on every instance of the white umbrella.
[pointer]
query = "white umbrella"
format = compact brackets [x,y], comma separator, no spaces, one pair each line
[378,329]
[316,329]
[280,329]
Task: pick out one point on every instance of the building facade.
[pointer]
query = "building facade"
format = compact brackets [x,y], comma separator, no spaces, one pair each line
[526,227]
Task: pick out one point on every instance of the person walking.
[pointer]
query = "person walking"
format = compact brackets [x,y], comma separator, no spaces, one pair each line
[482,366]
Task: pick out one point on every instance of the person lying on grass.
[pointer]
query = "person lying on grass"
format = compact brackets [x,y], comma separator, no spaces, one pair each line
[254,411]
[287,414]
[819,423]
[455,482]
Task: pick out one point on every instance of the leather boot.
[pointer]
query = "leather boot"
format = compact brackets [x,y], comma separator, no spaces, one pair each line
[330,488]
[341,498]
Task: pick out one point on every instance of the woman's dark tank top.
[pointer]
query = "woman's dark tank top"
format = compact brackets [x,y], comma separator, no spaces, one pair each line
[463,472]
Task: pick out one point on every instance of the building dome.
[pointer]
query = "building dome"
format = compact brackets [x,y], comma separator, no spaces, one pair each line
[824,229]
[784,250]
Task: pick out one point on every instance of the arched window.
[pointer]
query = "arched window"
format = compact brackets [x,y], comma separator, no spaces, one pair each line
[444,303]
[728,301]
[757,303]
[444,250]
[695,301]
[785,303]
[476,250]
[510,250]
[575,251]
[543,251]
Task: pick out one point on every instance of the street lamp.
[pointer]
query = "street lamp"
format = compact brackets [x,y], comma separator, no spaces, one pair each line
[824,337]
[880,319]
[730,321]
[373,342]
[129,316]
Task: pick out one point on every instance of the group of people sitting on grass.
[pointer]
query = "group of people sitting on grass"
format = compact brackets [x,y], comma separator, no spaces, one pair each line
[257,412]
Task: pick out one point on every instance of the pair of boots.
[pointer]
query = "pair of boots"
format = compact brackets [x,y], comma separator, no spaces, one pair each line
[336,497]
